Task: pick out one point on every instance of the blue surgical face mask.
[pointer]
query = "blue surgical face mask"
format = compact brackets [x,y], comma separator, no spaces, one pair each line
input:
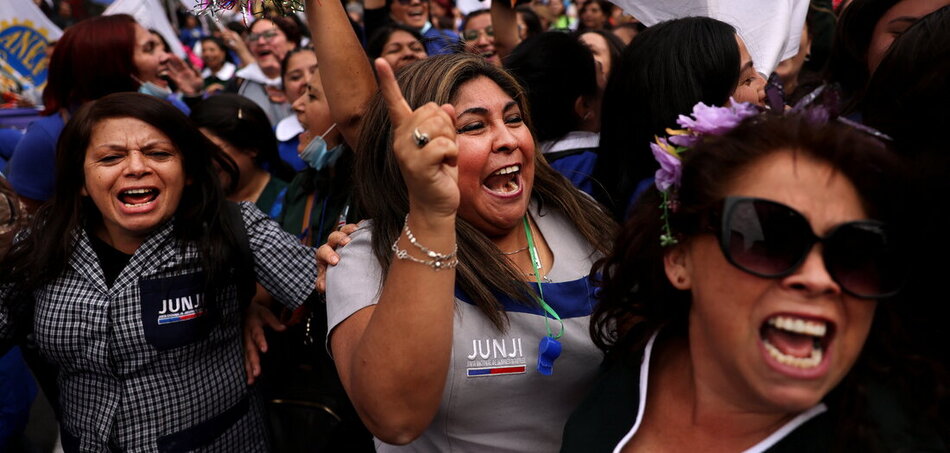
[317,154]
[152,89]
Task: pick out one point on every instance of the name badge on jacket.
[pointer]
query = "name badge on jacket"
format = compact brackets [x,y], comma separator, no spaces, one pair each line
[174,310]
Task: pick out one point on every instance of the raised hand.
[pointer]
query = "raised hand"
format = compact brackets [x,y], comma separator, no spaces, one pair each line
[187,79]
[327,256]
[424,144]
[237,44]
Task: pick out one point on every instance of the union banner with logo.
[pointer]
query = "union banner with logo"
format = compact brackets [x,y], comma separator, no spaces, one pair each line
[25,34]
[151,15]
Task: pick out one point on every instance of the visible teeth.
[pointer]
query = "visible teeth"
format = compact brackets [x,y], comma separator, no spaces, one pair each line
[798,362]
[507,170]
[137,191]
[130,205]
[798,325]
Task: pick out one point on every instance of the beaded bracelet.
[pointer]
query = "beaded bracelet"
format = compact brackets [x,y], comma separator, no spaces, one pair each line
[438,261]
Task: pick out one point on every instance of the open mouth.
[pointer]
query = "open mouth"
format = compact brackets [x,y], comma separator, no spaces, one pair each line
[415,13]
[488,54]
[264,53]
[135,198]
[796,342]
[504,181]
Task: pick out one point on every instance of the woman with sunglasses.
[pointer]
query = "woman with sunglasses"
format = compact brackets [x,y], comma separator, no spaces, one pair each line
[758,321]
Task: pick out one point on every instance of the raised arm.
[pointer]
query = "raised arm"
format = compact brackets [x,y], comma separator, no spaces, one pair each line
[505,22]
[395,393]
[237,44]
[344,68]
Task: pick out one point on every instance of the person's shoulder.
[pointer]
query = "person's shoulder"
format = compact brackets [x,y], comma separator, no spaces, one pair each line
[50,121]
[357,254]
[356,280]
[447,33]
[361,239]
[50,125]
[250,213]
[608,412]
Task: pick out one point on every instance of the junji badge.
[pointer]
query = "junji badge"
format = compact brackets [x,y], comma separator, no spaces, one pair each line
[548,351]
[174,310]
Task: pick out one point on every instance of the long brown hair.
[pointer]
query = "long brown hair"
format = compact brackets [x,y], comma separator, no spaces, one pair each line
[382,193]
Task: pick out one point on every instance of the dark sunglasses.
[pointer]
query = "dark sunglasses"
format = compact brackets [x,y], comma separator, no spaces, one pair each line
[472,35]
[771,240]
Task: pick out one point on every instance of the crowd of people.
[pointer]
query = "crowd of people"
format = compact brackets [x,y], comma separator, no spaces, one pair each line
[532,226]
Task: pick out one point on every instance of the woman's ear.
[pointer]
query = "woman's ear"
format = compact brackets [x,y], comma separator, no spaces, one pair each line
[587,110]
[676,263]
[581,109]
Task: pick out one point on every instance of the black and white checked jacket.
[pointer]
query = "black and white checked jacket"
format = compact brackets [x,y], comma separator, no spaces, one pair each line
[136,375]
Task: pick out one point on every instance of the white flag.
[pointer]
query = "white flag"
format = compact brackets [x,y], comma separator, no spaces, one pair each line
[771,29]
[151,15]
[25,33]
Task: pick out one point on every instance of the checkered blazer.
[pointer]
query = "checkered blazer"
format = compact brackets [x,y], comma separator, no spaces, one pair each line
[143,365]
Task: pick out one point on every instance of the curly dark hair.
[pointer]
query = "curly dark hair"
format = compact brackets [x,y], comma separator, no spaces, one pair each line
[637,297]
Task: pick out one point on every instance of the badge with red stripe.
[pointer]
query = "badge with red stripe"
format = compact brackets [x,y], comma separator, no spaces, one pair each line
[496,371]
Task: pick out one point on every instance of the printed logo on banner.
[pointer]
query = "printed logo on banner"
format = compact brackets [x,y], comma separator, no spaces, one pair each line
[180,309]
[23,49]
[496,357]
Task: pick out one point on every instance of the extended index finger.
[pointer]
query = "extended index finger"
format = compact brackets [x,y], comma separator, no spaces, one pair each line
[398,107]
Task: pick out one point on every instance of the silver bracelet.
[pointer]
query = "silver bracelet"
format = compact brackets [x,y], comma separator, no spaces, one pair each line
[438,261]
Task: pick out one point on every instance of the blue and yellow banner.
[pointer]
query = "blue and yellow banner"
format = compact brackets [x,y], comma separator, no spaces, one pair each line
[25,35]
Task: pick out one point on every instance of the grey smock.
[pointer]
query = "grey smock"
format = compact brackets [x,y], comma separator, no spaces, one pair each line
[494,398]
[148,365]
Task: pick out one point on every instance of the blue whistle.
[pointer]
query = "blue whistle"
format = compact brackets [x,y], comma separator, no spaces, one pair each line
[548,351]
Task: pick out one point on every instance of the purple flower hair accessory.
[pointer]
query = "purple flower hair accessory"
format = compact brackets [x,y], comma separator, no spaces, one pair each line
[705,120]
[716,120]
[670,165]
